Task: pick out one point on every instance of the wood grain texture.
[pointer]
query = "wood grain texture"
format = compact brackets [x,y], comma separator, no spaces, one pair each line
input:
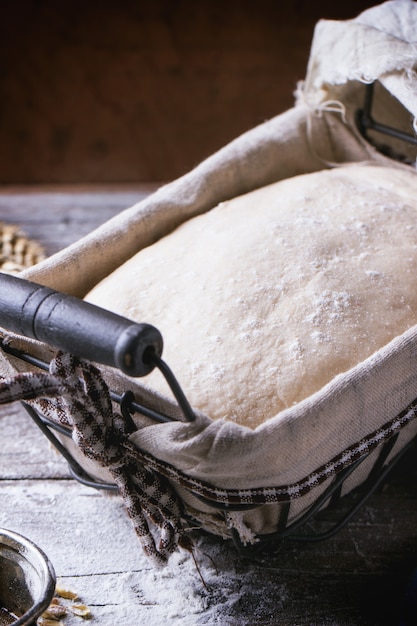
[358,577]
[56,217]
[100,91]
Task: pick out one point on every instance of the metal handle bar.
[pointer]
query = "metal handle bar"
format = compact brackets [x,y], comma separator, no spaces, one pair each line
[83,329]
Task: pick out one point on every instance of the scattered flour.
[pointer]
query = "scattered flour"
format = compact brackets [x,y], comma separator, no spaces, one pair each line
[230,595]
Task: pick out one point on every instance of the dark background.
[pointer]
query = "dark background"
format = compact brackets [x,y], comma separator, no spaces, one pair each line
[132,91]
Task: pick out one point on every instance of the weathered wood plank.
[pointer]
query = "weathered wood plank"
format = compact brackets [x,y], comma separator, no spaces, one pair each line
[25,452]
[89,539]
[56,217]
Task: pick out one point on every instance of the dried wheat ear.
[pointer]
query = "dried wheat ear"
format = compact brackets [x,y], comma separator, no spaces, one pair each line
[17,251]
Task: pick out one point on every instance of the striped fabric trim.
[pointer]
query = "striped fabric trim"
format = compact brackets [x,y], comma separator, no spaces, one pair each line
[75,394]
[280,493]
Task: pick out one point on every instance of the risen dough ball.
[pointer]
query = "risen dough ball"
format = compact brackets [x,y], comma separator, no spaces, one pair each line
[267,297]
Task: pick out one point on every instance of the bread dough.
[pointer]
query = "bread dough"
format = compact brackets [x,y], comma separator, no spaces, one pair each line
[268,296]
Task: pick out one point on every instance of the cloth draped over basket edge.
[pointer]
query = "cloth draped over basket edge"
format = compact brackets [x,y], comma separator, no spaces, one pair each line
[74,394]
[318,132]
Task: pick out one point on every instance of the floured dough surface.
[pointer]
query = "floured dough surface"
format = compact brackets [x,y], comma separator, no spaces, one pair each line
[267,297]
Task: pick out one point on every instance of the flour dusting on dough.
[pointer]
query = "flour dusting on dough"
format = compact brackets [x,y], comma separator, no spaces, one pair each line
[265,298]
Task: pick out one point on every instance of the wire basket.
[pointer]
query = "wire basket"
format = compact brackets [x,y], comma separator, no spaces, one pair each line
[92,333]
[106,432]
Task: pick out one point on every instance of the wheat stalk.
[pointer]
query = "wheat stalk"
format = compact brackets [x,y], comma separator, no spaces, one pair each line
[16,250]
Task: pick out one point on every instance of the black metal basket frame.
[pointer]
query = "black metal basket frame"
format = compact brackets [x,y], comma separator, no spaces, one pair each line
[294,531]
[366,122]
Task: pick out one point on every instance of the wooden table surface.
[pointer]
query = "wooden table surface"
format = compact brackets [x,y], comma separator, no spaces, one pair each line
[358,577]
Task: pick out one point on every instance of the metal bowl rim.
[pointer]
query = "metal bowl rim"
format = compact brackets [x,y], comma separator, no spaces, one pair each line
[42,565]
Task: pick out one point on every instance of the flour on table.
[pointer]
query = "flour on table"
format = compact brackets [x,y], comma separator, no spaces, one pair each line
[265,298]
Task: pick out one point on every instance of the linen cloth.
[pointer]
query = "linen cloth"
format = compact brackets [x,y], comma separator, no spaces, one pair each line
[295,447]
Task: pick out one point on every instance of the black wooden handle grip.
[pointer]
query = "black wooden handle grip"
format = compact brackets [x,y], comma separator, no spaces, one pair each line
[78,327]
